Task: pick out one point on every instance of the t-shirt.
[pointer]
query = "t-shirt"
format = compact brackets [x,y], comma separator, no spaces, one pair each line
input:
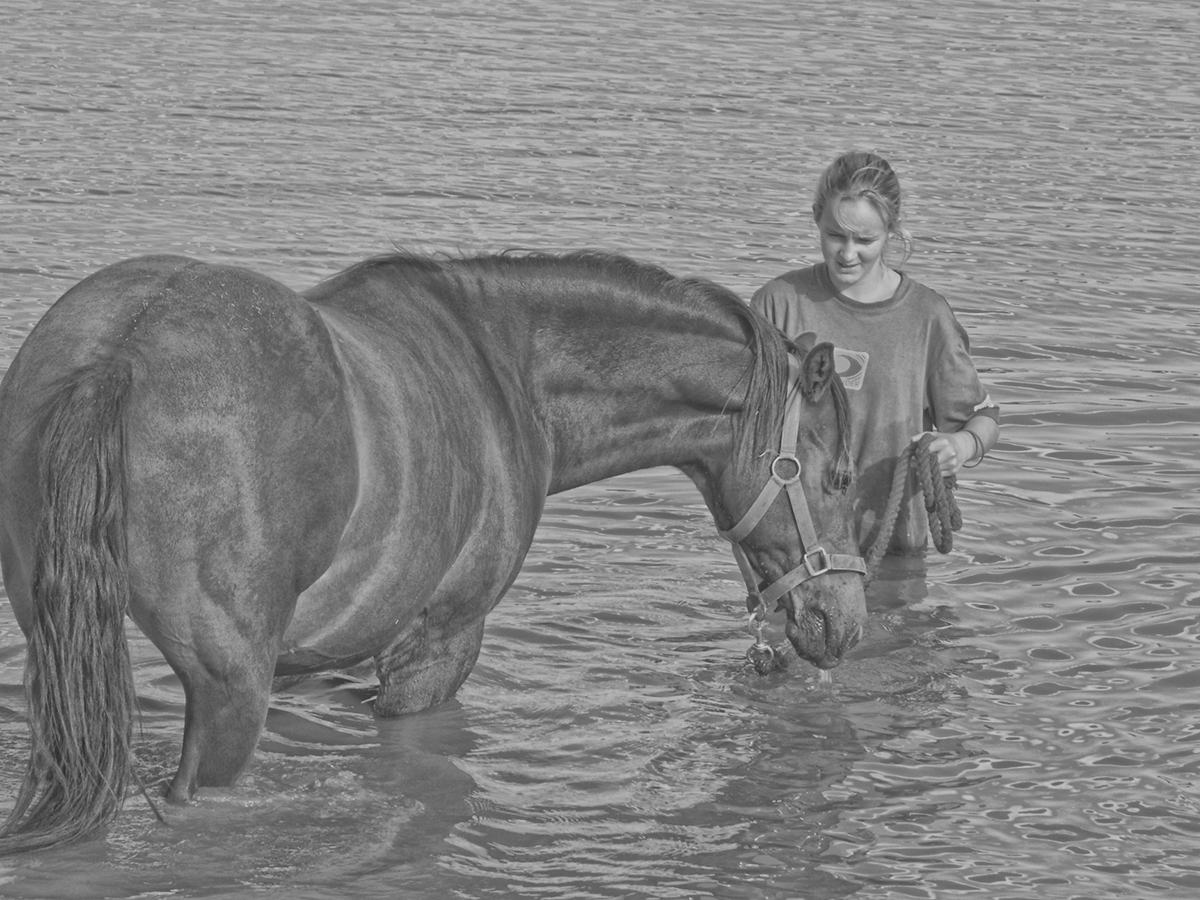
[907,368]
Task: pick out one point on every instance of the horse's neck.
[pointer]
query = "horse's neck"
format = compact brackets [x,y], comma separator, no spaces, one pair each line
[618,394]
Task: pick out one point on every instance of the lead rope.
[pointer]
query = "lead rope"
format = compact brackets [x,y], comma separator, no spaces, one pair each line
[944,515]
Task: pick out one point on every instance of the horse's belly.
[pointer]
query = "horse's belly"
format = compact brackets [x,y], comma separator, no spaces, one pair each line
[373,593]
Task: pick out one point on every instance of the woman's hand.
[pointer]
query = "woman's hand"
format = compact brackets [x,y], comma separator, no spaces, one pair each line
[953,450]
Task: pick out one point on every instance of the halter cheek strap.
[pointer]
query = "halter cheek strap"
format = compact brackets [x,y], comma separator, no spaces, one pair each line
[816,560]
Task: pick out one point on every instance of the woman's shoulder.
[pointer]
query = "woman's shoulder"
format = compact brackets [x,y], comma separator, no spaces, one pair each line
[786,301]
[928,306]
[916,293]
[798,282]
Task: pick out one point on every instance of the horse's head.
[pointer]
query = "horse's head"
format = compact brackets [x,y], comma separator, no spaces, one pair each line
[788,511]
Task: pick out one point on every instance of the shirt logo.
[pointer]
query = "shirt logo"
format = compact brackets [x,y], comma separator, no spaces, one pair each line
[851,365]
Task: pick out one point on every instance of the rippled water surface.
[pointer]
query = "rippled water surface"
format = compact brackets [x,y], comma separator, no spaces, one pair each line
[1020,723]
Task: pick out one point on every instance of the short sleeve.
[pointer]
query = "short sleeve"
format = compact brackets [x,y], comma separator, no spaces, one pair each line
[954,391]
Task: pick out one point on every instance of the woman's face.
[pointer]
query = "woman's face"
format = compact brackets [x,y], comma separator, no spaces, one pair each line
[853,243]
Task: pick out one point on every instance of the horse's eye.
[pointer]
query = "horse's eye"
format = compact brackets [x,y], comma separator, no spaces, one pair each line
[839,479]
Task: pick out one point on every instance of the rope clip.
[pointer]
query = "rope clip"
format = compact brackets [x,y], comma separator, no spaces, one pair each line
[761,654]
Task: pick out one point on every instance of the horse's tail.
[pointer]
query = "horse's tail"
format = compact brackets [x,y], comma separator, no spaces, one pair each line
[78,675]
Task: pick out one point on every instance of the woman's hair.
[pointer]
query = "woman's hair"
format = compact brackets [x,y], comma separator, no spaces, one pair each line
[861,173]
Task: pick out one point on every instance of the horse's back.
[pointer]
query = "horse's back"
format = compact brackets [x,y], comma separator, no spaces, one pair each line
[234,392]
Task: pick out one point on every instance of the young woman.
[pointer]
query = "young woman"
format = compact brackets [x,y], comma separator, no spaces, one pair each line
[902,355]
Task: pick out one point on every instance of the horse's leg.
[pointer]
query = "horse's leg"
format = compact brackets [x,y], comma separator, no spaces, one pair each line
[227,690]
[218,617]
[223,538]
[427,664]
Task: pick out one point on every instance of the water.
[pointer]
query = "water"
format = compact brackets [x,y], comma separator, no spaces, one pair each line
[1022,723]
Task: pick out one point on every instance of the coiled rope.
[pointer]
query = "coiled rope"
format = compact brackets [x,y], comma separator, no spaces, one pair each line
[944,515]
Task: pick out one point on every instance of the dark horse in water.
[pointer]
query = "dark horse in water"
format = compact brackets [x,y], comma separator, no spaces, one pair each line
[271,483]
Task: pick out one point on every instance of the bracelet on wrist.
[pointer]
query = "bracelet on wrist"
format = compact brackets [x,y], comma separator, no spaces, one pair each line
[980,452]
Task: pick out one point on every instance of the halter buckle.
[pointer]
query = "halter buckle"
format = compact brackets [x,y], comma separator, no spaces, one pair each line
[823,562]
[785,457]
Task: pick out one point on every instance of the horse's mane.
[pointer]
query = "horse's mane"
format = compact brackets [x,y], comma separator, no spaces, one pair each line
[765,379]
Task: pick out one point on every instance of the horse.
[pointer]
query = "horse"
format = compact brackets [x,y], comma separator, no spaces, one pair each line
[271,483]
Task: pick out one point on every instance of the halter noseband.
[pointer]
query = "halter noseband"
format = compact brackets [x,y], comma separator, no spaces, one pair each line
[816,560]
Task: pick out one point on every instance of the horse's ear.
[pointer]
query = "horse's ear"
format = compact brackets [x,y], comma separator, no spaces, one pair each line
[804,342]
[819,370]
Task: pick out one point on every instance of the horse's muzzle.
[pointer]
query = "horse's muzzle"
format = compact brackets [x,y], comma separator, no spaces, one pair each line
[825,627]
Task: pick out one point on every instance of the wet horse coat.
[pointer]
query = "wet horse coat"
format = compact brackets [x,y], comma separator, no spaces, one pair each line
[275,484]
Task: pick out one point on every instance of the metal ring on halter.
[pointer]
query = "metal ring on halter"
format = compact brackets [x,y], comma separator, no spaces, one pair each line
[787,457]
[824,563]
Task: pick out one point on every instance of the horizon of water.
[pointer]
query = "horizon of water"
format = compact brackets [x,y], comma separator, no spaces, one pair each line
[1020,723]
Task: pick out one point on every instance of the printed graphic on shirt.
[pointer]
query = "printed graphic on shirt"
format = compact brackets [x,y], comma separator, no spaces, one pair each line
[852,366]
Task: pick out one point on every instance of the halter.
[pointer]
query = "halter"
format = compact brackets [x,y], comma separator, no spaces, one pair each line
[816,560]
